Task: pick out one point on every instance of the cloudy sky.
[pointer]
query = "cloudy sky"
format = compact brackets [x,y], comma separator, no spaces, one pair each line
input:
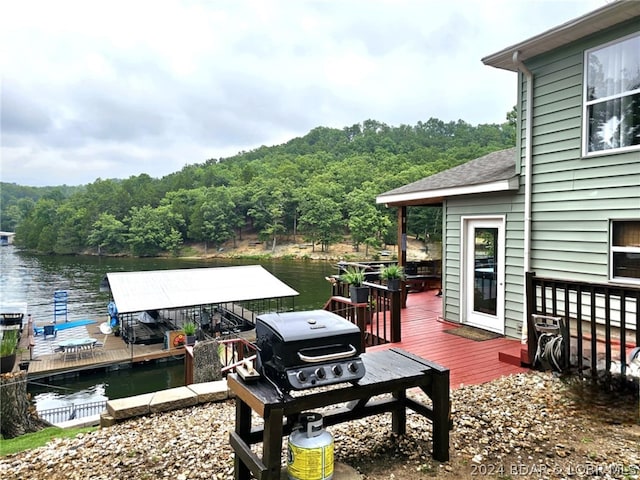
[97,89]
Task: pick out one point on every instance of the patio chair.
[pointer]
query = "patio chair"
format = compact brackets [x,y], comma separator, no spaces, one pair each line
[57,350]
[99,347]
[205,320]
[49,330]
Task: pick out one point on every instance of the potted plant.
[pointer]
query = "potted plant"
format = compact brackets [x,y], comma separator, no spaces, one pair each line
[355,277]
[8,346]
[189,330]
[392,274]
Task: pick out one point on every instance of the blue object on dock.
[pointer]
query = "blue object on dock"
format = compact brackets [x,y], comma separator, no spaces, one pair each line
[65,326]
[113,314]
[60,305]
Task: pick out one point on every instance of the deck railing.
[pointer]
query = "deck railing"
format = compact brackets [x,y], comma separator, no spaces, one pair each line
[232,352]
[378,318]
[599,322]
[74,411]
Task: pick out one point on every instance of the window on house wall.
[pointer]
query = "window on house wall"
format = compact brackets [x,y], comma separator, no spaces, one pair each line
[625,250]
[612,97]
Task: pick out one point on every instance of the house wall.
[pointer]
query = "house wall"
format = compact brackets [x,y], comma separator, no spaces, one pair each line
[574,198]
[511,206]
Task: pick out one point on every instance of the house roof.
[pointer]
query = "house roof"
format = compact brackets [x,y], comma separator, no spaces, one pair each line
[494,172]
[157,289]
[600,19]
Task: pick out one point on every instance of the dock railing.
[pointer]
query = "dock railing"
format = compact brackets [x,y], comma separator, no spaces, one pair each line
[73,411]
[599,322]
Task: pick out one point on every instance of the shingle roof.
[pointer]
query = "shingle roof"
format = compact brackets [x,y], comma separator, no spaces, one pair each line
[607,16]
[493,168]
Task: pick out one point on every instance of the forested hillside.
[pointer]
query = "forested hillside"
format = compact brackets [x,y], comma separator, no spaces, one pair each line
[317,188]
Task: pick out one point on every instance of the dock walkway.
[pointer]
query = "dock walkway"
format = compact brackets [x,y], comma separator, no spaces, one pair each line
[43,361]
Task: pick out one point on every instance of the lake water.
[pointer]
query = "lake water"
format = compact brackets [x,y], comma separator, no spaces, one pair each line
[32,280]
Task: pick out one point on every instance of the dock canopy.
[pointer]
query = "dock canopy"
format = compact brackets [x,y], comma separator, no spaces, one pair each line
[158,289]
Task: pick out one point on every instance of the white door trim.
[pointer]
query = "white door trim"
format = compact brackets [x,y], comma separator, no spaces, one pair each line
[486,321]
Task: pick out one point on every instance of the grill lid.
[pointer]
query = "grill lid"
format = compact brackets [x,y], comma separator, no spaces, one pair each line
[296,326]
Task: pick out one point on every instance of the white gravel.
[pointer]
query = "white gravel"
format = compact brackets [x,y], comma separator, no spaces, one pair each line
[528,426]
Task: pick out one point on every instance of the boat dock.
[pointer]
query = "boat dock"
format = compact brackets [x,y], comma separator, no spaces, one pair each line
[42,360]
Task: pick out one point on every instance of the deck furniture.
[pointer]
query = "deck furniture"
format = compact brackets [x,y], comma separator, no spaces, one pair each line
[77,347]
[99,346]
[49,330]
[389,372]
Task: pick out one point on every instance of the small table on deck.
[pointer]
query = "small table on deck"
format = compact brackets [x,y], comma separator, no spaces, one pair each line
[77,346]
[387,371]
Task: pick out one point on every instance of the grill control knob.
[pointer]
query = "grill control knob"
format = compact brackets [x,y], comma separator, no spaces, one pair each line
[337,370]
[301,376]
[353,367]
[320,373]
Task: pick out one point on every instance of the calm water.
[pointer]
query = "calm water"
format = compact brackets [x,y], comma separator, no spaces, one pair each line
[32,280]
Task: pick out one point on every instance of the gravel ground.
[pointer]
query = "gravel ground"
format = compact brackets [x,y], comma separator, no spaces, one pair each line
[530,425]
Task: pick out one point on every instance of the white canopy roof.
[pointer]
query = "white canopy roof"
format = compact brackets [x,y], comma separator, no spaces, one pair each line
[157,289]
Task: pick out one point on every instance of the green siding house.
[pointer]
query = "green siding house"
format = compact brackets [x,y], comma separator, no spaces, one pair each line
[565,202]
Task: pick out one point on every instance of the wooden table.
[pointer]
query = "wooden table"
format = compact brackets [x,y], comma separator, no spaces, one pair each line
[390,371]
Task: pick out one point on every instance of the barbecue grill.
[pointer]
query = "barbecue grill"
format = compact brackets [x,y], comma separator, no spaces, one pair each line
[298,350]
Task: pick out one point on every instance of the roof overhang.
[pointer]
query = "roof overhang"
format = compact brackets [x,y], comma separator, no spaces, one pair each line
[597,20]
[431,197]
[160,289]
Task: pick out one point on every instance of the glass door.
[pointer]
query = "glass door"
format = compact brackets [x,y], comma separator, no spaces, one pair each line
[483,285]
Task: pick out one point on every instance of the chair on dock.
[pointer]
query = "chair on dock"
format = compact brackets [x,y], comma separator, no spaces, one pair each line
[99,347]
[205,320]
[57,350]
[49,330]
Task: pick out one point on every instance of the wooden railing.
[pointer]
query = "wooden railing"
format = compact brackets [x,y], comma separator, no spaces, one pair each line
[378,318]
[232,352]
[599,322]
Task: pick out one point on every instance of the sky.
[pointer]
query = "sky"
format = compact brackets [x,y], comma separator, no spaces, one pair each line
[112,89]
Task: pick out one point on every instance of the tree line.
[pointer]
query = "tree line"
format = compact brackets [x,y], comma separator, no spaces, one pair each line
[317,188]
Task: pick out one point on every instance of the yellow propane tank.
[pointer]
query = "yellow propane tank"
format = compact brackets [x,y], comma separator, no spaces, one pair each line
[310,450]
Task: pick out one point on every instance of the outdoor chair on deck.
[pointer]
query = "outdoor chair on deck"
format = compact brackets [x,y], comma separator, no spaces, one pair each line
[99,347]
[57,350]
[49,330]
[205,320]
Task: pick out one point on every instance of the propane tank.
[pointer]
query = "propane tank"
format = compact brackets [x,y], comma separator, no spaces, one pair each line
[310,450]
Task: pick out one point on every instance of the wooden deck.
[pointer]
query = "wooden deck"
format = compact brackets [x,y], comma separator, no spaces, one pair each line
[423,334]
[115,352]
[470,362]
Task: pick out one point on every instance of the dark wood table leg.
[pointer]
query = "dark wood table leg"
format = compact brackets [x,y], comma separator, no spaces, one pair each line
[441,413]
[399,414]
[243,429]
[272,443]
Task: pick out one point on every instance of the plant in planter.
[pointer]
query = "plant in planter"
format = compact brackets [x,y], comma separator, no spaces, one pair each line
[355,278]
[8,348]
[189,330]
[392,274]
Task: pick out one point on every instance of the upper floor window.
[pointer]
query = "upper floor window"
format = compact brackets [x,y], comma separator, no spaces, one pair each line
[612,97]
[625,250]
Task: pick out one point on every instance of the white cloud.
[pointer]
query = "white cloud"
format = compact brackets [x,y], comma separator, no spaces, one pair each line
[119,88]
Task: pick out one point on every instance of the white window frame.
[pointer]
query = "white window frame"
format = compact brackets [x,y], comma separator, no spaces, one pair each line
[587,103]
[620,249]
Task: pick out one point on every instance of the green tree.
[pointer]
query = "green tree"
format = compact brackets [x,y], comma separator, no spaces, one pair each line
[213,219]
[108,234]
[367,224]
[71,234]
[152,230]
[321,217]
